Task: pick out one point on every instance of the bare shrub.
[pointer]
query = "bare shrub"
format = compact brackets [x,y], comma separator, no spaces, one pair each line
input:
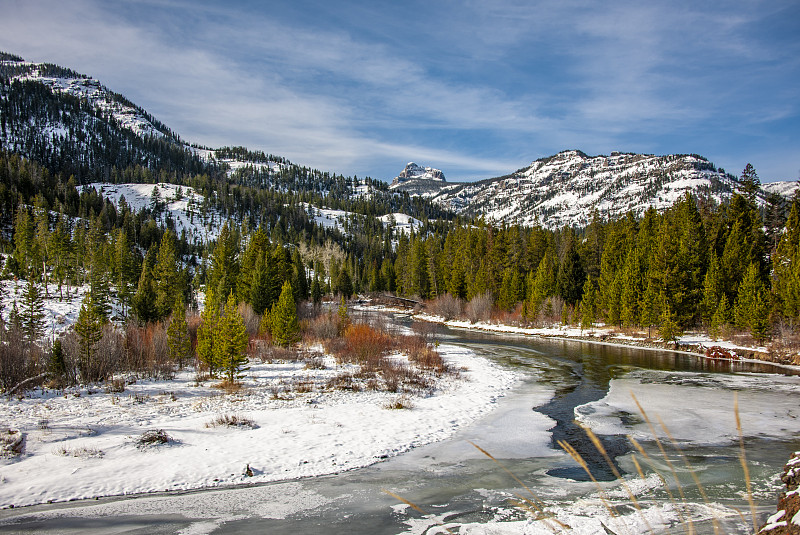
[252,321]
[343,381]
[153,437]
[81,452]
[398,403]
[115,386]
[12,442]
[229,387]
[364,345]
[446,306]
[231,420]
[324,327]
[304,386]
[480,307]
[315,363]
[271,353]
[19,360]
[148,350]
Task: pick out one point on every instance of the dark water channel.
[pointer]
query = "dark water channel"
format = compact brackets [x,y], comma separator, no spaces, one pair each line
[449,480]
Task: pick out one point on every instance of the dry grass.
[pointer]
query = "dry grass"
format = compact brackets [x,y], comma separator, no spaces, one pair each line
[399,403]
[81,452]
[153,437]
[231,420]
[229,387]
[12,442]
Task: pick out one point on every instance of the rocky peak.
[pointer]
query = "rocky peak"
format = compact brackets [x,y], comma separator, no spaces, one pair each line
[413,171]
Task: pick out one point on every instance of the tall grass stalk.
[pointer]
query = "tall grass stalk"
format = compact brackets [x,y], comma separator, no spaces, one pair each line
[743,461]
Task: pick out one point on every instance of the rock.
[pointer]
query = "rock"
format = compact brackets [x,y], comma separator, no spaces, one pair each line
[787,520]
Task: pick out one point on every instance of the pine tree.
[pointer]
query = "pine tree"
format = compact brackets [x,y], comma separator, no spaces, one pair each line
[721,317]
[650,307]
[230,340]
[144,302]
[344,284]
[89,329]
[749,183]
[316,292]
[57,366]
[668,325]
[23,240]
[751,311]
[180,346]
[588,307]
[284,326]
[206,332]
[32,315]
[166,277]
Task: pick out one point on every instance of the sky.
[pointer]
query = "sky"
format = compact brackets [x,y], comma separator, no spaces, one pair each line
[476,89]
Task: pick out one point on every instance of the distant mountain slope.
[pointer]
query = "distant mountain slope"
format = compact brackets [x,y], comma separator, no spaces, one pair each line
[70,122]
[565,189]
[784,188]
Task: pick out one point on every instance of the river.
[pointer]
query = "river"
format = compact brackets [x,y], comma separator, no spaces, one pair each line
[454,483]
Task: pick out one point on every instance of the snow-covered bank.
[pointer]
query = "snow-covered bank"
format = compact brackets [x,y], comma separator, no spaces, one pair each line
[690,343]
[82,444]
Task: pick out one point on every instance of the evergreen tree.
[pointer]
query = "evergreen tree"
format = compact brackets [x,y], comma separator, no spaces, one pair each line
[180,346]
[749,183]
[344,285]
[751,311]
[668,325]
[166,277]
[316,292]
[32,315]
[588,306]
[144,301]
[24,241]
[206,332]
[283,318]
[650,306]
[89,329]
[57,366]
[230,340]
[125,264]
[721,317]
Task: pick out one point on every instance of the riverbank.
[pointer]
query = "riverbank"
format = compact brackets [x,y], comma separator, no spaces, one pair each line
[183,434]
[689,343]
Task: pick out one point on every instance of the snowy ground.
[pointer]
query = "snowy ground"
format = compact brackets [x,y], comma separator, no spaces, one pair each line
[82,443]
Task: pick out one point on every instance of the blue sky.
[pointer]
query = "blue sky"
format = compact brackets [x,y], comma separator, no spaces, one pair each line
[478,89]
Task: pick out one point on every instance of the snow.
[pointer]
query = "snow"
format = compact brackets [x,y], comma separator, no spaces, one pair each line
[187,210]
[566,188]
[97,95]
[330,218]
[81,443]
[59,314]
[707,400]
[773,522]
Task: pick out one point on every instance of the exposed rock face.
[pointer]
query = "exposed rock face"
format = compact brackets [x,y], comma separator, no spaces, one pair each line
[413,171]
[787,520]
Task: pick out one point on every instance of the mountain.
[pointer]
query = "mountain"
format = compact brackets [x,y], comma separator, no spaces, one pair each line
[786,188]
[566,189]
[417,180]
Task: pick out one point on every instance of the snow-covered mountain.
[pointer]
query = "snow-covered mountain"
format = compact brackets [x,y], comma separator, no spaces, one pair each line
[62,81]
[418,180]
[565,189]
[786,188]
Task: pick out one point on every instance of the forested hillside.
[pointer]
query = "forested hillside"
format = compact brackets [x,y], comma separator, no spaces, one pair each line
[240,225]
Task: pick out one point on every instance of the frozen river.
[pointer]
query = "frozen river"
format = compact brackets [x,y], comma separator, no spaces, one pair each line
[456,485]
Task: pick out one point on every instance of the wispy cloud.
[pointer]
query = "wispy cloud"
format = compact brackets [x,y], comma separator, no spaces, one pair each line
[479,89]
